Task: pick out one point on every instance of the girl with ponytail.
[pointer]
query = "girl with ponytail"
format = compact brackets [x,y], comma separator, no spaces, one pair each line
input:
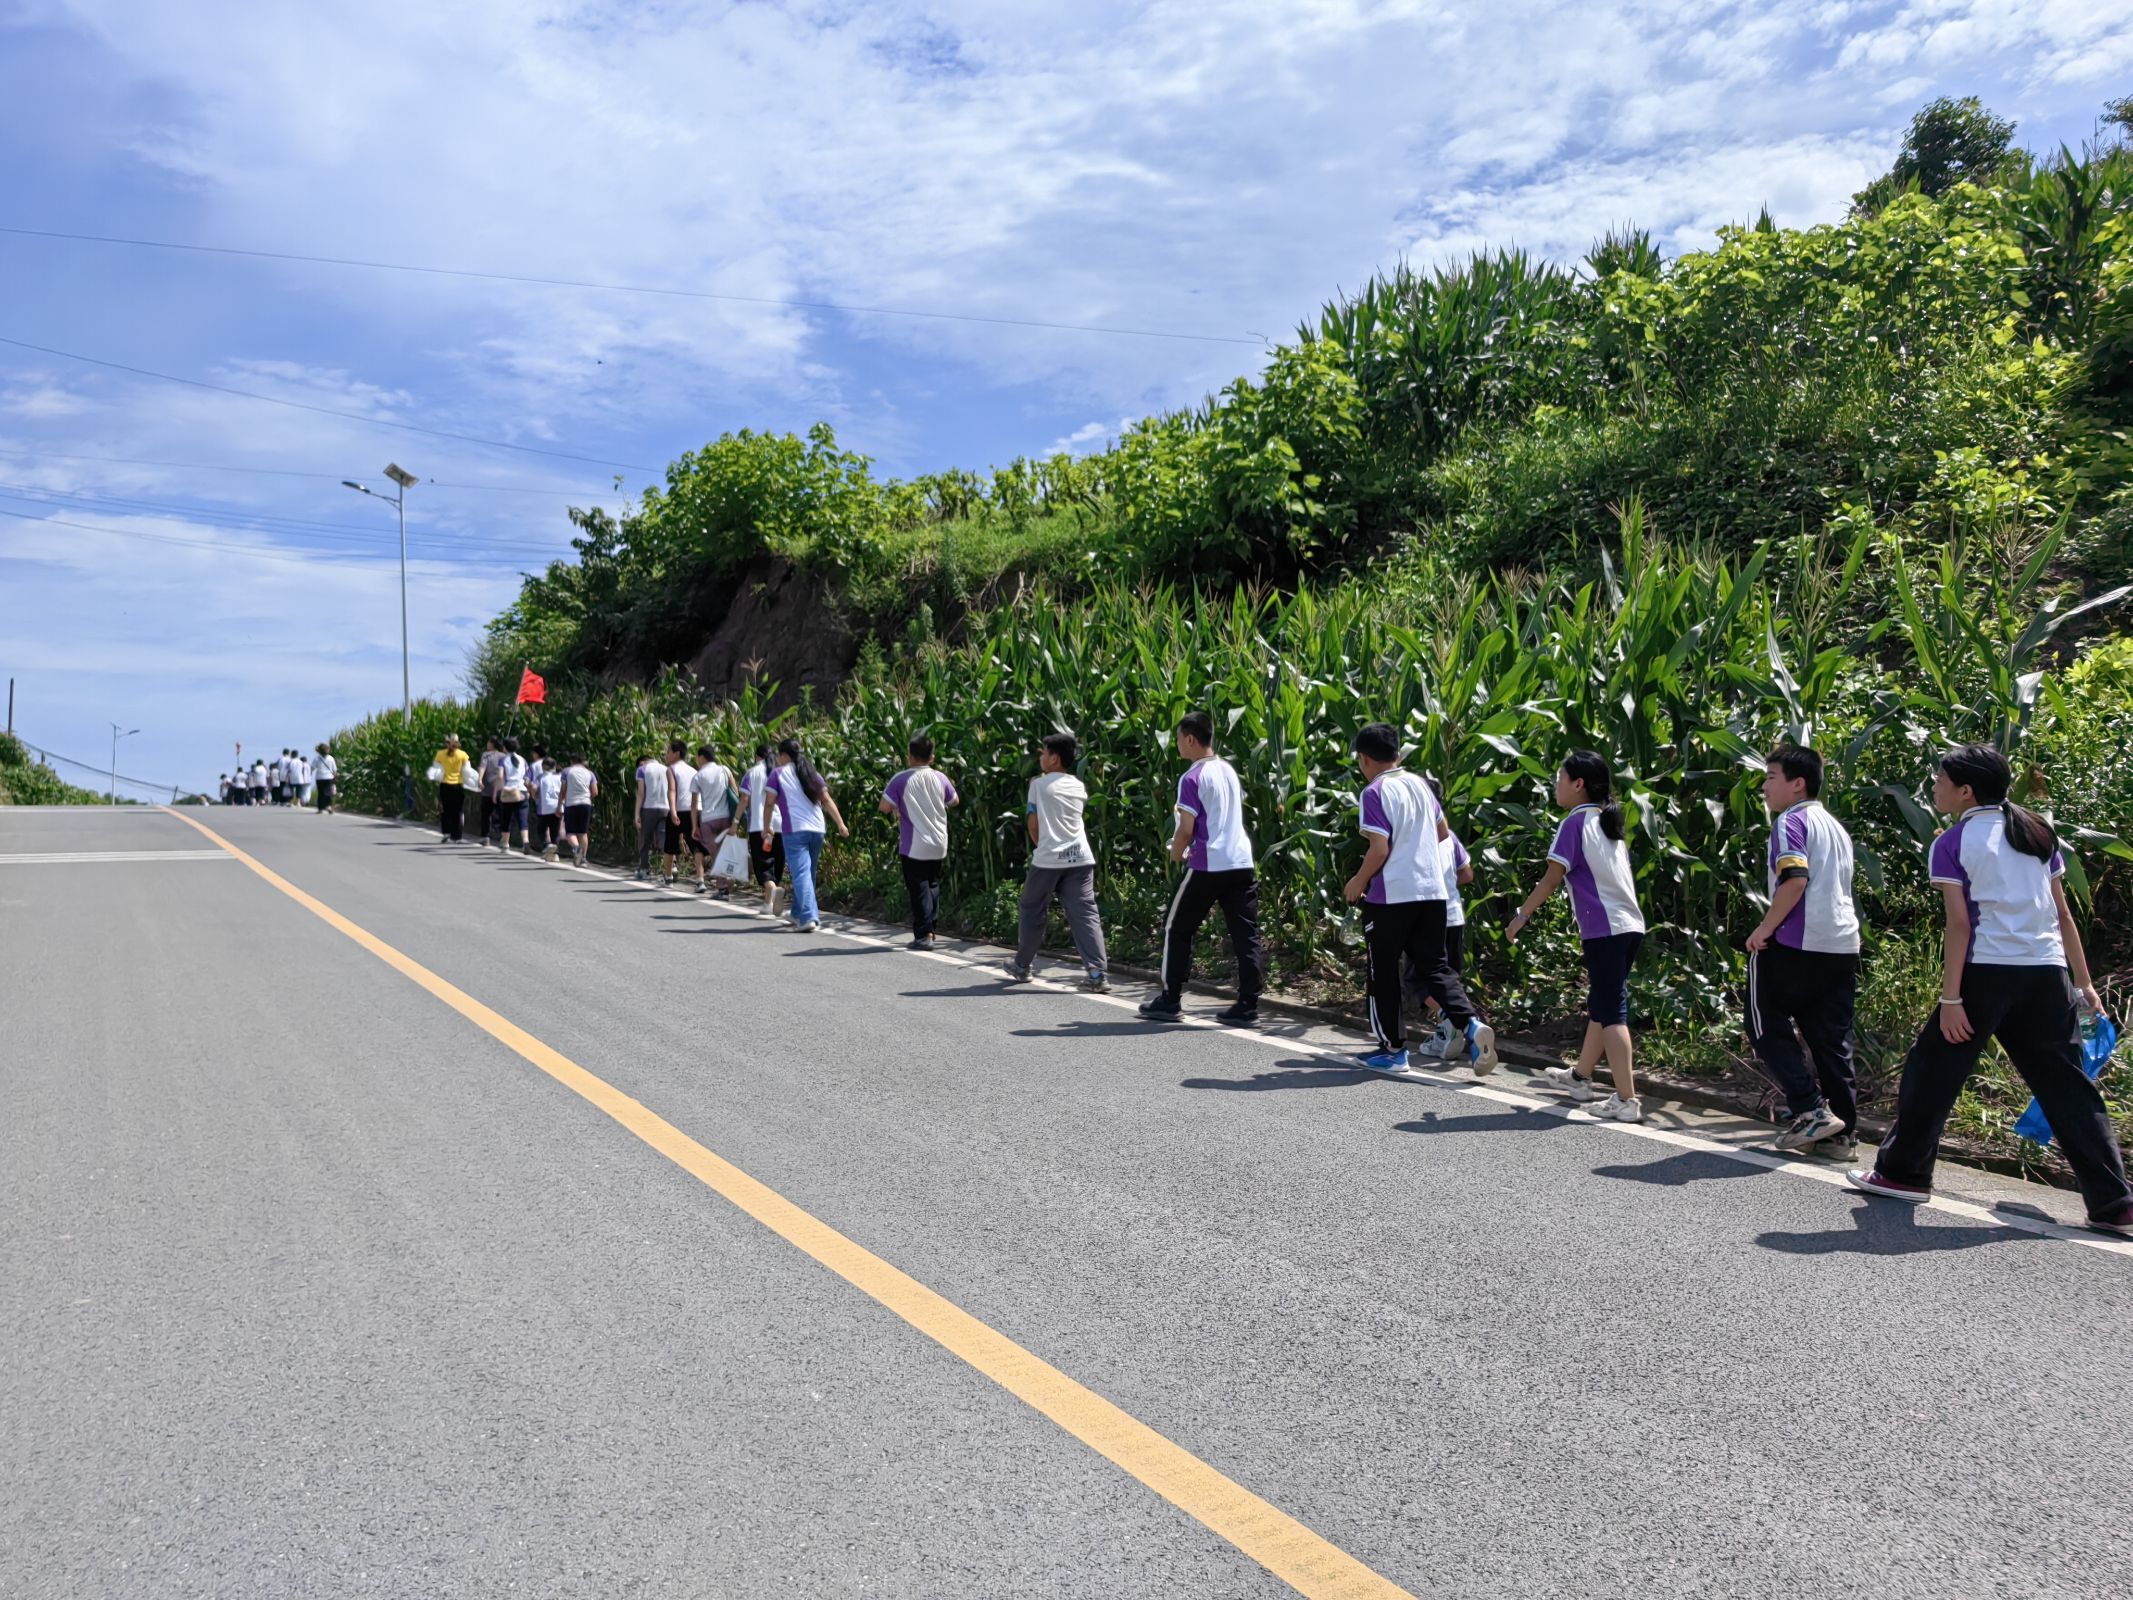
[1590,855]
[2013,970]
[799,797]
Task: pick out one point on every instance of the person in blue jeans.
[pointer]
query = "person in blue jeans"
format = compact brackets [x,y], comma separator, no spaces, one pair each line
[802,807]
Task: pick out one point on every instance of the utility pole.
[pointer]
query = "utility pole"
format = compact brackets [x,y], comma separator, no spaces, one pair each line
[403,481]
[115,737]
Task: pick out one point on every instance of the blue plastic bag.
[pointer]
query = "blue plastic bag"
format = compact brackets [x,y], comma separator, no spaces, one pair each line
[2098,1039]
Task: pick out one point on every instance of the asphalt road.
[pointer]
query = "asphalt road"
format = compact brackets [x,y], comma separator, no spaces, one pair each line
[311,1286]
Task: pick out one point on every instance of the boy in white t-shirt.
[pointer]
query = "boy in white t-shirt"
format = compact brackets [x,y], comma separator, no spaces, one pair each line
[547,784]
[1061,866]
[1210,839]
[580,790]
[919,798]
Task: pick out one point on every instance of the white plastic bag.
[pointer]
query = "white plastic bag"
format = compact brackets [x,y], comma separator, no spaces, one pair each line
[436,773]
[731,863]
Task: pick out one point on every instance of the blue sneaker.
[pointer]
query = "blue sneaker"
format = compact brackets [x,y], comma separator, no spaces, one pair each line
[1386,1061]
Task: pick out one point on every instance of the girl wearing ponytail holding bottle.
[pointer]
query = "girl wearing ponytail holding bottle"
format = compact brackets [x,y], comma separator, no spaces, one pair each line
[2013,970]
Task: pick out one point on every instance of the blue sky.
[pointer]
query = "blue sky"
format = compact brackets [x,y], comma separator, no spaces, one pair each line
[1212,167]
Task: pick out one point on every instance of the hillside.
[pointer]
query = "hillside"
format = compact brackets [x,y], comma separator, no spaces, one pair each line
[1864,483]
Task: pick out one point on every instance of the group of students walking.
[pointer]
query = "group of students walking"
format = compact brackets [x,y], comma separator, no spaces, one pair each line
[290,779]
[2014,968]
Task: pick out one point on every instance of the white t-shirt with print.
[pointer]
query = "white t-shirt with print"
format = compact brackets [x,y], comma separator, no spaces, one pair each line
[1056,800]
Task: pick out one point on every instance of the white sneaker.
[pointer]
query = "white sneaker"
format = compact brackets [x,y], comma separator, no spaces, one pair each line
[1480,1051]
[1566,1079]
[1616,1109]
[1437,1045]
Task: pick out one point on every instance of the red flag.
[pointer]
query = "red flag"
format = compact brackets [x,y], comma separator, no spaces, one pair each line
[532,691]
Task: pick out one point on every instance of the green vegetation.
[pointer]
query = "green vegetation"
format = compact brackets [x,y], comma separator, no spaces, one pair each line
[24,782]
[1865,483]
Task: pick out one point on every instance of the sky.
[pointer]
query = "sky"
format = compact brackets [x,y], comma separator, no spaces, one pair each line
[1196,177]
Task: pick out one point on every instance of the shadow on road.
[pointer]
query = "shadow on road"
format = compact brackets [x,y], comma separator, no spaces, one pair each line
[837,950]
[1691,1166]
[1090,1030]
[1486,1122]
[1882,1229]
[1307,1074]
[975,990]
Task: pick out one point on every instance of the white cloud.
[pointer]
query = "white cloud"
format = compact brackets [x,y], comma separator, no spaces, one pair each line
[1182,166]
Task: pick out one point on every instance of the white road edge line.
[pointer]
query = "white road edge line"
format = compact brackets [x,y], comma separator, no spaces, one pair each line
[1468,1086]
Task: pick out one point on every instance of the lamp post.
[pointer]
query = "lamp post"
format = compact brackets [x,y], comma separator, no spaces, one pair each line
[403,480]
[115,737]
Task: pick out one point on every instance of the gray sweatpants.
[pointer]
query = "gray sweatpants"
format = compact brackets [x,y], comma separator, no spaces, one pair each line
[1076,890]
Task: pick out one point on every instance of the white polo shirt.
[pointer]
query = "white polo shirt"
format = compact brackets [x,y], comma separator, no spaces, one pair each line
[1399,808]
[2014,919]
[1210,794]
[1603,888]
[1806,838]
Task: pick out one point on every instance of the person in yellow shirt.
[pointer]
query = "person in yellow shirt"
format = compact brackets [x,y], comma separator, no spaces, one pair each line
[451,763]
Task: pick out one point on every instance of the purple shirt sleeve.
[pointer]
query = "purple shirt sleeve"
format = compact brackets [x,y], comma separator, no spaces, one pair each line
[1946,861]
[1460,859]
[1569,846]
[1374,818]
[2057,865]
[894,793]
[948,795]
[1189,795]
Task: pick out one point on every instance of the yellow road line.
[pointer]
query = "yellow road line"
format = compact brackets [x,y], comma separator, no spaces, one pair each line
[1270,1536]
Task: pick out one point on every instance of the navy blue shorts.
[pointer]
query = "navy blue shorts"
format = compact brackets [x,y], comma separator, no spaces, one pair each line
[1607,964]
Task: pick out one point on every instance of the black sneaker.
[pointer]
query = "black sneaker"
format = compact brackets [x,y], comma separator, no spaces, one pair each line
[1240,1013]
[1162,1008]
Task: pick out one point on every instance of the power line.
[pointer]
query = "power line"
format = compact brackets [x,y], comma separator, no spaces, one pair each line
[268,522]
[323,411]
[633,288]
[559,492]
[101,772]
[313,558]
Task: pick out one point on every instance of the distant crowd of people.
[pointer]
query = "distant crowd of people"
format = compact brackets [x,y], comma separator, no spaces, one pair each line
[290,778]
[2014,968]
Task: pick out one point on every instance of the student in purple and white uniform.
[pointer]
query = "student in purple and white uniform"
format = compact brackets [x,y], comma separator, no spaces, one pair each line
[919,798]
[1210,838]
[2012,949]
[1590,856]
[1432,986]
[1400,887]
[799,797]
[1803,961]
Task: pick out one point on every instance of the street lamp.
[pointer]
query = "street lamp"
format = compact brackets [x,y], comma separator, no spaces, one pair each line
[115,737]
[404,481]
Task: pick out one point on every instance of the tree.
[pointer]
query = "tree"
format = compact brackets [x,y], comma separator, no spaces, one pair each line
[2117,121]
[1949,142]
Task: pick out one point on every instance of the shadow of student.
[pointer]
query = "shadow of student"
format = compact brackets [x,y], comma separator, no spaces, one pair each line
[1305,1074]
[1880,1228]
[1691,1166]
[1521,1121]
[817,951]
[981,990]
[1089,1030]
